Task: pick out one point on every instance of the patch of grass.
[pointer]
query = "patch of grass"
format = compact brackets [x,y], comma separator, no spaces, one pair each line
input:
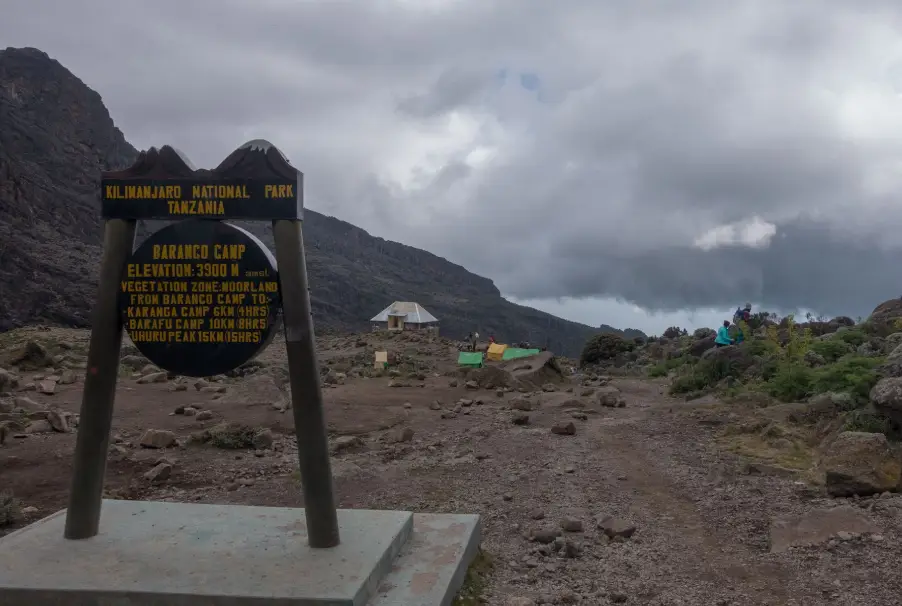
[232,436]
[704,375]
[472,591]
[10,510]
[664,368]
[770,442]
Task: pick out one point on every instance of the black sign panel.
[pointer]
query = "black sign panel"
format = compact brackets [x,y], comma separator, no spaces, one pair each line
[200,298]
[255,182]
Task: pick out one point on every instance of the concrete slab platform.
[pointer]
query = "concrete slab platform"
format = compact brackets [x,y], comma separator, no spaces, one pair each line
[189,554]
[433,564]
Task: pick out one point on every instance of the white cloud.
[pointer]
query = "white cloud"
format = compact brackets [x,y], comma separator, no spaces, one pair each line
[753,233]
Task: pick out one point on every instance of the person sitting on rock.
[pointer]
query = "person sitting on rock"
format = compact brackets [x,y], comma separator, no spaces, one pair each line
[723,335]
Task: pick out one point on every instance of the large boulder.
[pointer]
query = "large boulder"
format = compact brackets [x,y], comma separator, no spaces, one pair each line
[887,312]
[491,377]
[859,463]
[535,371]
[892,341]
[892,367]
[701,346]
[886,396]
[732,354]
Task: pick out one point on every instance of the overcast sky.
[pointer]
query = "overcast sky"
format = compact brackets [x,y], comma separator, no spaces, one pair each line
[594,158]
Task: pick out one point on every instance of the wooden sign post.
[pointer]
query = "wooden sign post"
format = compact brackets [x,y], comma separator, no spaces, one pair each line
[199,298]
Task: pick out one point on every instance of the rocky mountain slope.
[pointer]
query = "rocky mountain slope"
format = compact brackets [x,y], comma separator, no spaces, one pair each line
[56,137]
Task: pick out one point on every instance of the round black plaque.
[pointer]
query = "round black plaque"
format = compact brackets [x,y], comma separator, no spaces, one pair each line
[200,298]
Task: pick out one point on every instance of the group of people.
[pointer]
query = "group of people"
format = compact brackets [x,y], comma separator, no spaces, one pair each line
[723,338]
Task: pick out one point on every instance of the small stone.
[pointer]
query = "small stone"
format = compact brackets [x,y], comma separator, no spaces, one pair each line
[402,434]
[571,549]
[157,438]
[47,387]
[58,421]
[204,415]
[159,473]
[342,443]
[545,535]
[564,428]
[154,377]
[263,439]
[189,411]
[67,377]
[537,514]
[408,405]
[571,525]
[614,527]
[471,385]
[520,418]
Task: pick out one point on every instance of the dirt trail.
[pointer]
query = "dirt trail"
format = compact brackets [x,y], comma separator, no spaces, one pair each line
[701,519]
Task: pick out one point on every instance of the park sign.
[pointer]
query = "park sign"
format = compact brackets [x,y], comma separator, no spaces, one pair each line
[255,182]
[200,297]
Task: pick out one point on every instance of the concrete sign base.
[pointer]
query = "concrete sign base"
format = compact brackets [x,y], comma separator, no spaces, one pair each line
[188,554]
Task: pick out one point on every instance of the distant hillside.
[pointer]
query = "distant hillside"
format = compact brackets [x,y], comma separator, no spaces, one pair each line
[626,333]
[56,136]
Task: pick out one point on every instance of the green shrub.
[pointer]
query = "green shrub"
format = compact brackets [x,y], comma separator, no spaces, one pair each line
[603,347]
[658,370]
[662,369]
[704,375]
[789,382]
[674,332]
[760,347]
[855,375]
[232,436]
[868,422]
[832,349]
[853,336]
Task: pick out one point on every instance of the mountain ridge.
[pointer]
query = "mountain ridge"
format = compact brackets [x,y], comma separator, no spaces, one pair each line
[56,136]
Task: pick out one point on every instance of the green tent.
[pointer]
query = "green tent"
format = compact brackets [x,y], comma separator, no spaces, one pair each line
[471,359]
[513,353]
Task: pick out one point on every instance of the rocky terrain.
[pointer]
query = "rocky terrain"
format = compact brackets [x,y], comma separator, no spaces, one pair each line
[598,484]
[56,137]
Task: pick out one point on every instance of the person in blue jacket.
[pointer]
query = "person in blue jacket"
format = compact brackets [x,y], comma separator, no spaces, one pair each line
[723,335]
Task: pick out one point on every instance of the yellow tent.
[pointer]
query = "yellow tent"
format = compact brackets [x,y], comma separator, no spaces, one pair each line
[496,352]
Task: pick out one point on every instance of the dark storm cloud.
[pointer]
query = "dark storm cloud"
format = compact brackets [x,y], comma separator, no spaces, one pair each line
[657,122]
